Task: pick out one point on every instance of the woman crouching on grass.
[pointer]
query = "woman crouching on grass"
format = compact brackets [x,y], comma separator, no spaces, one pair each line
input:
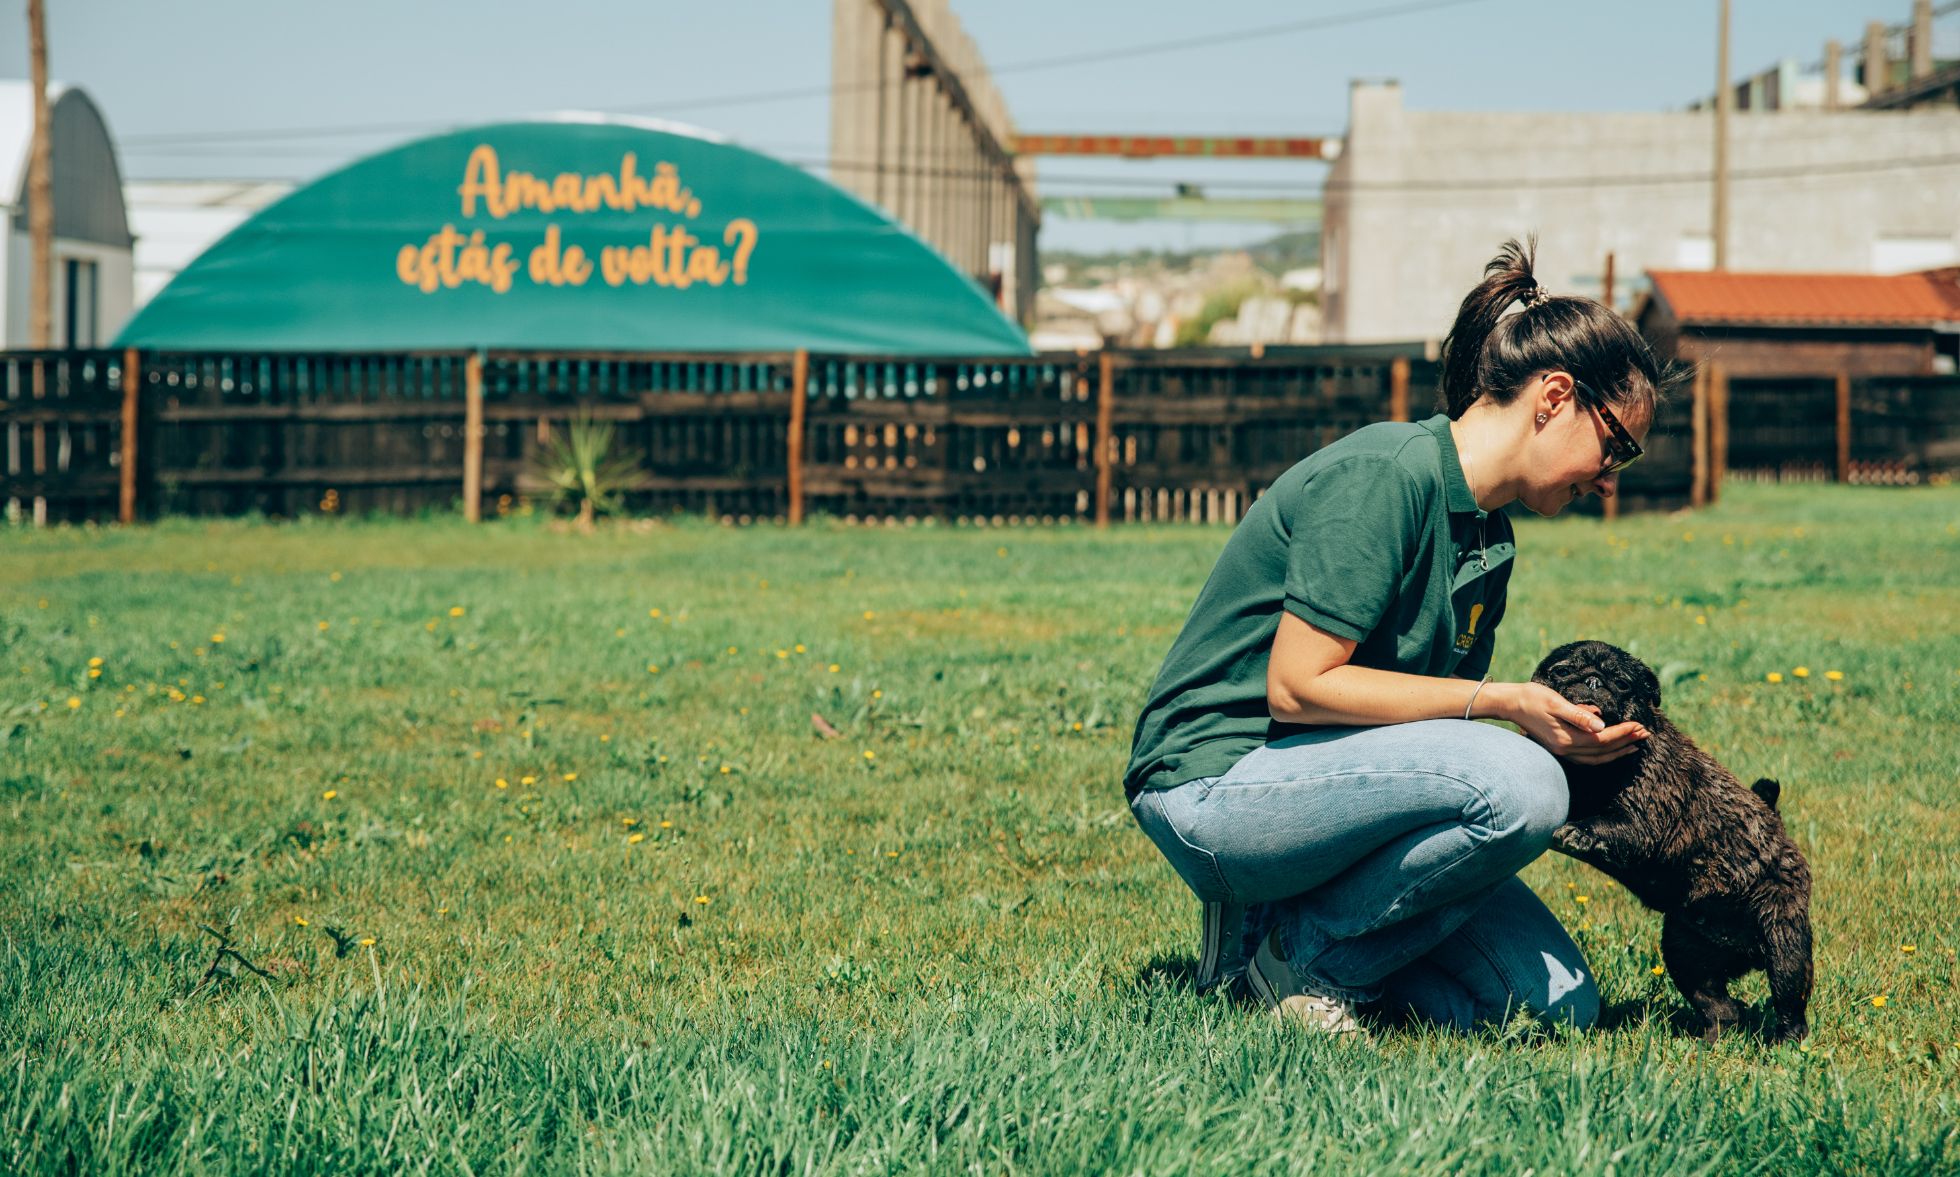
[1306,758]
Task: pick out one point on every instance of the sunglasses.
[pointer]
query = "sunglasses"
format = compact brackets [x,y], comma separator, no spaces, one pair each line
[1621,450]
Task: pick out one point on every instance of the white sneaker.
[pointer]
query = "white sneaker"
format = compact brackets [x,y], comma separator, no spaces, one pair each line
[1221,951]
[1283,991]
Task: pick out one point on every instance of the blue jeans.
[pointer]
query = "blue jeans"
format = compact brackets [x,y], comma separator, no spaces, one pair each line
[1384,860]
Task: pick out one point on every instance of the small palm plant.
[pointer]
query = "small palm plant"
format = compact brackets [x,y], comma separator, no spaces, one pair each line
[581,467]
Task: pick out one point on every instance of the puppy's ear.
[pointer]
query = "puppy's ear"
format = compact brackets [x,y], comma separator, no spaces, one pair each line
[1648,685]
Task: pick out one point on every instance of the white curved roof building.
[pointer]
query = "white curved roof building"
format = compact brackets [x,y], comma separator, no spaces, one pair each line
[94,270]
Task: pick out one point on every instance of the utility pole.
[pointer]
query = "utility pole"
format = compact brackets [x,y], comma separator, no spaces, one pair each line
[40,188]
[1723,99]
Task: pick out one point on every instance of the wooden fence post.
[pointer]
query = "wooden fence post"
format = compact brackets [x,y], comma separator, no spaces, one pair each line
[131,375]
[1105,432]
[1718,428]
[799,408]
[473,437]
[1698,489]
[1398,389]
[1844,426]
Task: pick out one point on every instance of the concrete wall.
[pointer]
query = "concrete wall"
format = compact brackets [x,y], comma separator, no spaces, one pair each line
[1418,201]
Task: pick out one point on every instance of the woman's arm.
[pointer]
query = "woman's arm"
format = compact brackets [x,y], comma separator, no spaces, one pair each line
[1309,680]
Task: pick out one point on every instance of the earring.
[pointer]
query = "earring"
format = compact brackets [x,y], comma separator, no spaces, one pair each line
[1542,418]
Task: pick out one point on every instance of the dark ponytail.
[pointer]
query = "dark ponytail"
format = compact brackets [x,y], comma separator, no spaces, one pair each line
[1489,354]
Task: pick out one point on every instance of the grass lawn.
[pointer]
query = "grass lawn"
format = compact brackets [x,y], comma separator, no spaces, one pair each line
[539,862]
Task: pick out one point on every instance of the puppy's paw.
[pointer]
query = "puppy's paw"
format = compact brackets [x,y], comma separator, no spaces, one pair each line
[1571,839]
[1789,1032]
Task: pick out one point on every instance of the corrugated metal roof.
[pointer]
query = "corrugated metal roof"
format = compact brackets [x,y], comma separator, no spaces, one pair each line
[1702,296]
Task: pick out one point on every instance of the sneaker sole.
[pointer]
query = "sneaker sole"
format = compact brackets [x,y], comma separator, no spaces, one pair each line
[1211,944]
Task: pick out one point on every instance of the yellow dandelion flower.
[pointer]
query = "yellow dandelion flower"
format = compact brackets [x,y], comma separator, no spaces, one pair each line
[653,612]
[1773,677]
[834,668]
[301,921]
[527,780]
[1834,675]
[605,737]
[74,701]
[1908,948]
[633,839]
[801,648]
[506,837]
[869,615]
[1879,1001]
[330,794]
[782,653]
[571,776]
[430,626]
[652,669]
[95,661]
[877,694]
[701,899]
[733,650]
[95,673]
[324,625]
[666,825]
[629,821]
[870,755]
[891,854]
[1077,725]
[725,770]
[1701,619]
[1801,672]
[1658,970]
[826,1064]
[197,698]
[1582,899]
[367,942]
[217,638]
[334,576]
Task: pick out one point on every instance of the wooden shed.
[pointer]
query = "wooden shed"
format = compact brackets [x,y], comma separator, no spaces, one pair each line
[1791,324]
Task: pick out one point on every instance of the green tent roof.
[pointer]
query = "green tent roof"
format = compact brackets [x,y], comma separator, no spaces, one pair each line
[580,233]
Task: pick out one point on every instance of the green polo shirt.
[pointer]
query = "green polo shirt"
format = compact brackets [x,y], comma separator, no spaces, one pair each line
[1375,538]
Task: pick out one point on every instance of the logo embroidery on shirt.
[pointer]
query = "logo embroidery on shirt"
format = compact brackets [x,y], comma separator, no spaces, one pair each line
[1468,637]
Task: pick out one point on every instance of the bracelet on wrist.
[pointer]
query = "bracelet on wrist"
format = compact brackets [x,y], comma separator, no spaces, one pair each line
[1473,696]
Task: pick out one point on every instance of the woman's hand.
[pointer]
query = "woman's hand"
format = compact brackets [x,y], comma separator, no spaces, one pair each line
[1564,728]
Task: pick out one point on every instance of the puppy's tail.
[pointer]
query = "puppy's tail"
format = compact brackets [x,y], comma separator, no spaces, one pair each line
[1768,790]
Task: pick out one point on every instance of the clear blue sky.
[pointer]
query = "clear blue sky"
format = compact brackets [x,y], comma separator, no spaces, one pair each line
[197,66]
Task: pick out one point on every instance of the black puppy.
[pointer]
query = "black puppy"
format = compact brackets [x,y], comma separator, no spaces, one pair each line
[1682,834]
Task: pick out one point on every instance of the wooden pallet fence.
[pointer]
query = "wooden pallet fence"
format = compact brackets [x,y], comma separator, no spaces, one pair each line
[1890,430]
[1104,437]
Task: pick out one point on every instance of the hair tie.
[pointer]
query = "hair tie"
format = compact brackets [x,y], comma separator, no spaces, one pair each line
[1536,296]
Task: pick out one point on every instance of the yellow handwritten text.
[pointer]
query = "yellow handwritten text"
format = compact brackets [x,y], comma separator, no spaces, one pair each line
[674,257]
[553,265]
[504,193]
[449,259]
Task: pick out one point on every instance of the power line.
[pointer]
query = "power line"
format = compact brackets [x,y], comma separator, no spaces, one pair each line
[753,98]
[1446,184]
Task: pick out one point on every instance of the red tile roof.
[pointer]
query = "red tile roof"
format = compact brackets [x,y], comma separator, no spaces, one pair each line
[1702,296]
